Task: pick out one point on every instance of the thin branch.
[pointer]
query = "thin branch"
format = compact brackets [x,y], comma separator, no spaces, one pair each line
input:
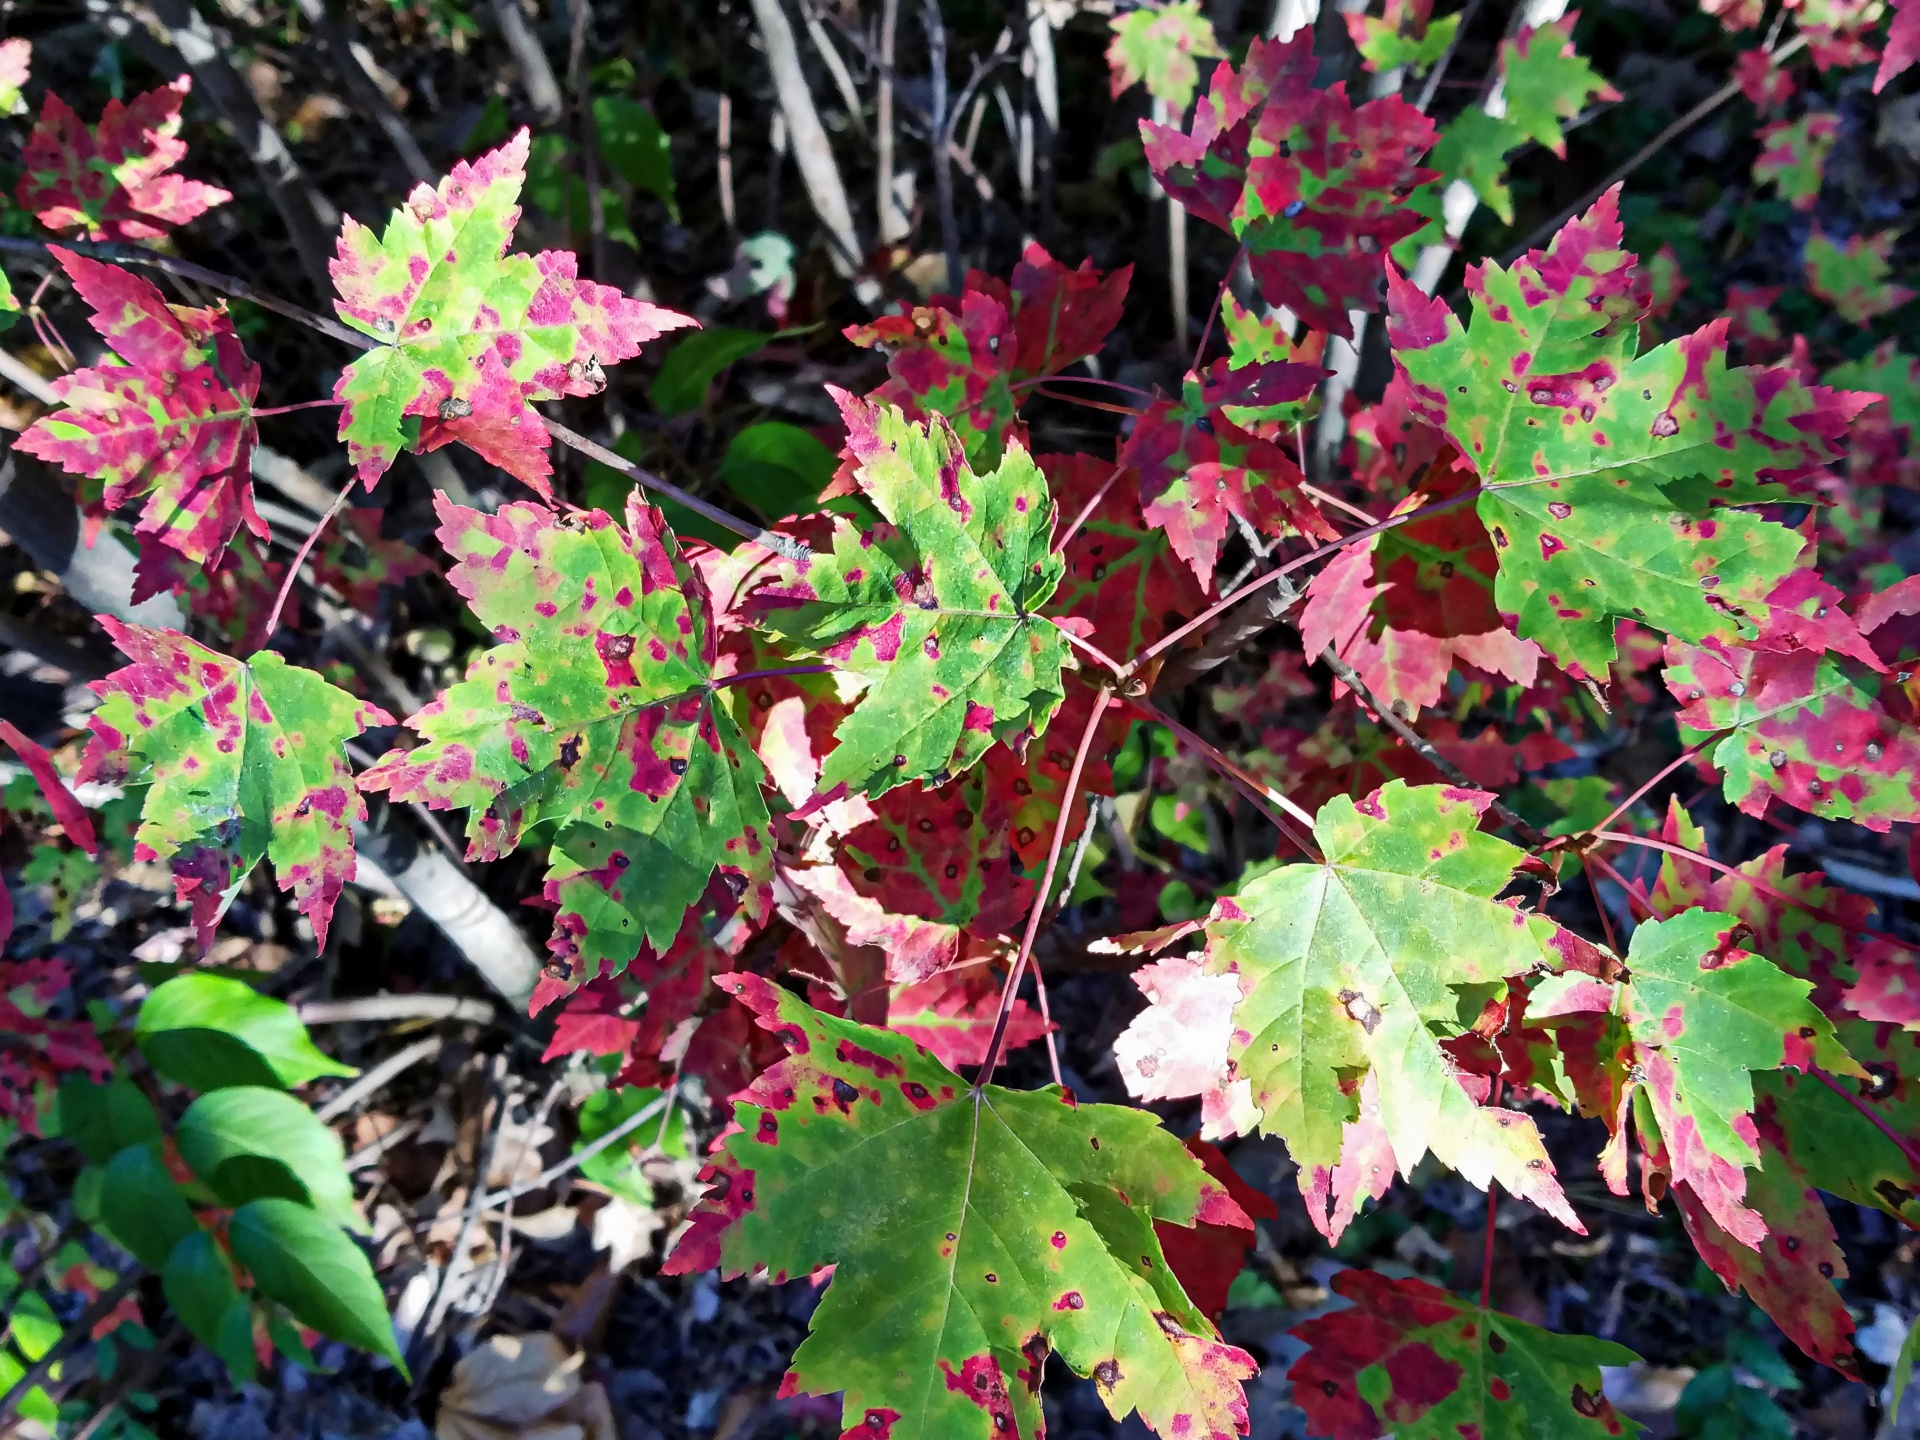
[1878,1121]
[74,1335]
[1263,796]
[381,1076]
[811,149]
[396,1007]
[1273,577]
[543,90]
[352,61]
[458,1260]
[767,539]
[942,132]
[893,221]
[1086,511]
[579,1157]
[1665,770]
[578,82]
[1038,912]
[1534,837]
[300,558]
[1645,153]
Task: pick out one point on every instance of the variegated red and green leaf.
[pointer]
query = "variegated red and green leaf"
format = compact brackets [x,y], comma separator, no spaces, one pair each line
[935,606]
[466,335]
[1410,1359]
[1314,187]
[1604,472]
[1028,1230]
[112,181]
[594,712]
[170,418]
[241,760]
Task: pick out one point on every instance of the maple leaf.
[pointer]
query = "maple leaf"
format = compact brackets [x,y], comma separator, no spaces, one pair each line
[16,58]
[355,562]
[241,759]
[1404,36]
[1882,441]
[1162,47]
[229,597]
[1390,446]
[1207,1257]
[1402,607]
[111,181]
[595,711]
[1028,1228]
[170,418]
[1123,576]
[1853,277]
[1031,787]
[1409,1358]
[1474,148]
[1903,43]
[1547,83]
[1198,470]
[952,1014]
[68,812]
[1600,469]
[1314,187]
[1356,966]
[936,607]
[1702,1016]
[1794,154]
[1767,84]
[1837,31]
[964,364]
[467,335]
[1816,719]
[39,1050]
[942,855]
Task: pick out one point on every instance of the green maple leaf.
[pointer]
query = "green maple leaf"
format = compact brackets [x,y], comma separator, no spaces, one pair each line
[1703,1017]
[1547,82]
[595,712]
[973,1232]
[467,334]
[1162,47]
[1607,475]
[1474,148]
[1364,964]
[937,608]
[1409,1359]
[241,759]
[1852,277]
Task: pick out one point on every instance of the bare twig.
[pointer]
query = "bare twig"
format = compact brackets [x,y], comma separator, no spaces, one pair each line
[942,132]
[300,558]
[893,220]
[577,81]
[579,1157]
[457,1260]
[380,1076]
[1645,153]
[371,1008]
[351,59]
[811,150]
[311,219]
[71,1337]
[543,91]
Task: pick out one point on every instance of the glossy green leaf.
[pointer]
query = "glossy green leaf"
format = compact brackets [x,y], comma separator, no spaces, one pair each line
[141,1207]
[777,468]
[691,365]
[247,1143]
[635,147]
[198,1282]
[103,1119]
[207,1032]
[308,1264]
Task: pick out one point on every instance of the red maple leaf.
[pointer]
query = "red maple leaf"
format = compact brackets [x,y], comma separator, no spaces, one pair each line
[110,180]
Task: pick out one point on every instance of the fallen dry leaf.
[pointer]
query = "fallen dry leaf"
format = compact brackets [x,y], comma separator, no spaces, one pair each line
[523,1387]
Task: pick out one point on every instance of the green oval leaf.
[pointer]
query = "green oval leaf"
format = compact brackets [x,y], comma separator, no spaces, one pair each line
[141,1209]
[777,468]
[308,1264]
[208,1032]
[692,364]
[251,1143]
[199,1286]
[102,1120]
